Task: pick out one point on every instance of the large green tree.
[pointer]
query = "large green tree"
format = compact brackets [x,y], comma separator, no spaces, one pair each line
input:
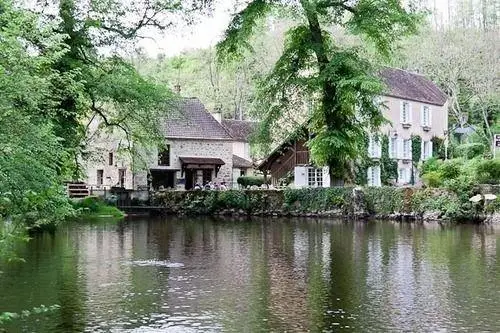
[336,85]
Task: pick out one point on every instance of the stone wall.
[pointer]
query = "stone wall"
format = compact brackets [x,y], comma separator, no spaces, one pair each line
[393,203]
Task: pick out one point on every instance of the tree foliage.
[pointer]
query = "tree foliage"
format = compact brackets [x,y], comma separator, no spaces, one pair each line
[329,87]
[61,87]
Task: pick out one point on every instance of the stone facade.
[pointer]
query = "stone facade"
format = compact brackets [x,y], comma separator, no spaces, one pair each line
[198,148]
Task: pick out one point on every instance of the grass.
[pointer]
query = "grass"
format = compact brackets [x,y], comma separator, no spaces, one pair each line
[95,207]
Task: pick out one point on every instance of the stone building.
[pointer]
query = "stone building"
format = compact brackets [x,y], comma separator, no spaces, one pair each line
[413,105]
[241,131]
[198,149]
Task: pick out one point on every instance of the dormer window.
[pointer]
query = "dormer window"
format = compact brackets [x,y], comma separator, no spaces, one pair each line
[405,114]
[110,158]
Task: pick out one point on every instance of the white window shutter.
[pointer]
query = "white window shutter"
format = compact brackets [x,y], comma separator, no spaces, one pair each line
[400,148]
[326,177]
[410,111]
[377,176]
[429,116]
[401,112]
[410,152]
[429,153]
[422,115]
[379,147]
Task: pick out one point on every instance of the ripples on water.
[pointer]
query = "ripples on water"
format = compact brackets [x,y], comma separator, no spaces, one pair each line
[203,275]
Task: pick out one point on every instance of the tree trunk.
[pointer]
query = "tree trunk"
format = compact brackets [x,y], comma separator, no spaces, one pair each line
[328,89]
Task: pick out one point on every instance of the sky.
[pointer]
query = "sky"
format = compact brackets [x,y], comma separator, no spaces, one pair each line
[209,30]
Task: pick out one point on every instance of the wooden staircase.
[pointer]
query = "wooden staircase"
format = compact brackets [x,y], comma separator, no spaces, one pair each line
[77,189]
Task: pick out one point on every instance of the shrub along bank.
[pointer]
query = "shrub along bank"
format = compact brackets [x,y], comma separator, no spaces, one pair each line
[380,202]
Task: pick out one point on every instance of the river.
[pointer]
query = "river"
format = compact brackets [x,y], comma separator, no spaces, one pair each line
[269,275]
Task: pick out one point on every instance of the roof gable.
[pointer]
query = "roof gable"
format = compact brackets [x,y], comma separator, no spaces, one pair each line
[191,120]
[412,86]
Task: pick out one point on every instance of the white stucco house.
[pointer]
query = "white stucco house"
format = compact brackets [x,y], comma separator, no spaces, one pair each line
[414,105]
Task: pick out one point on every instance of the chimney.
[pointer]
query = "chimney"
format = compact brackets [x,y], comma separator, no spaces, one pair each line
[177,89]
[217,115]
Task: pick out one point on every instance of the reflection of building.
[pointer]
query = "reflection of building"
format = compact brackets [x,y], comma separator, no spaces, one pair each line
[198,149]
[413,105]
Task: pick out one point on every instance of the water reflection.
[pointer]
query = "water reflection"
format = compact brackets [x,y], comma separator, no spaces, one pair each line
[203,275]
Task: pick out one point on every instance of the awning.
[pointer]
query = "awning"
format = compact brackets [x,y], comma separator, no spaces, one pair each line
[201,163]
[242,163]
[201,160]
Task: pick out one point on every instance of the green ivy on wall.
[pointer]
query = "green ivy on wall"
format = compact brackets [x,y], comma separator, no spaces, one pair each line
[438,150]
[416,151]
[388,166]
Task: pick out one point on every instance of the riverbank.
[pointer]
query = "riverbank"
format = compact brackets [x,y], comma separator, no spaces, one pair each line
[94,207]
[390,203]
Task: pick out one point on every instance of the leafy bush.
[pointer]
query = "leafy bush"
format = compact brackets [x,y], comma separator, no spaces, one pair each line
[432,179]
[470,150]
[246,181]
[488,171]
[450,169]
[430,165]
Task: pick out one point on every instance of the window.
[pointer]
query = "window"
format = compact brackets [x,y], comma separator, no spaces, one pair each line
[207,176]
[426,116]
[426,150]
[405,115]
[242,173]
[374,147]
[315,177]
[393,147]
[404,175]
[164,156]
[374,176]
[100,177]
[407,149]
[110,158]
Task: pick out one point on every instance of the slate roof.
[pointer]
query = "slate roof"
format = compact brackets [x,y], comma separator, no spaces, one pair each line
[190,120]
[240,130]
[412,86]
[239,162]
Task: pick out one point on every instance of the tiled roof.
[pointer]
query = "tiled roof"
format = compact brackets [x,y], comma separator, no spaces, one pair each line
[191,120]
[201,160]
[239,162]
[240,130]
[411,86]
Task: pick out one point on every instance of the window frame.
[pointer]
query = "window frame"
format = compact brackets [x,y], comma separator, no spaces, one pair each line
[315,177]
[164,154]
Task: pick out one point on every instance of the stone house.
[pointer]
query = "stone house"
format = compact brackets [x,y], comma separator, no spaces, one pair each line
[197,149]
[414,106]
[241,132]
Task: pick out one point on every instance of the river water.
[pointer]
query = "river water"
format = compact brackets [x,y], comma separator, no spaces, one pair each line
[269,275]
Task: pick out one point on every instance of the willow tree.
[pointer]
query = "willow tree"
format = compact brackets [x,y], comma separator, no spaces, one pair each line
[337,84]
